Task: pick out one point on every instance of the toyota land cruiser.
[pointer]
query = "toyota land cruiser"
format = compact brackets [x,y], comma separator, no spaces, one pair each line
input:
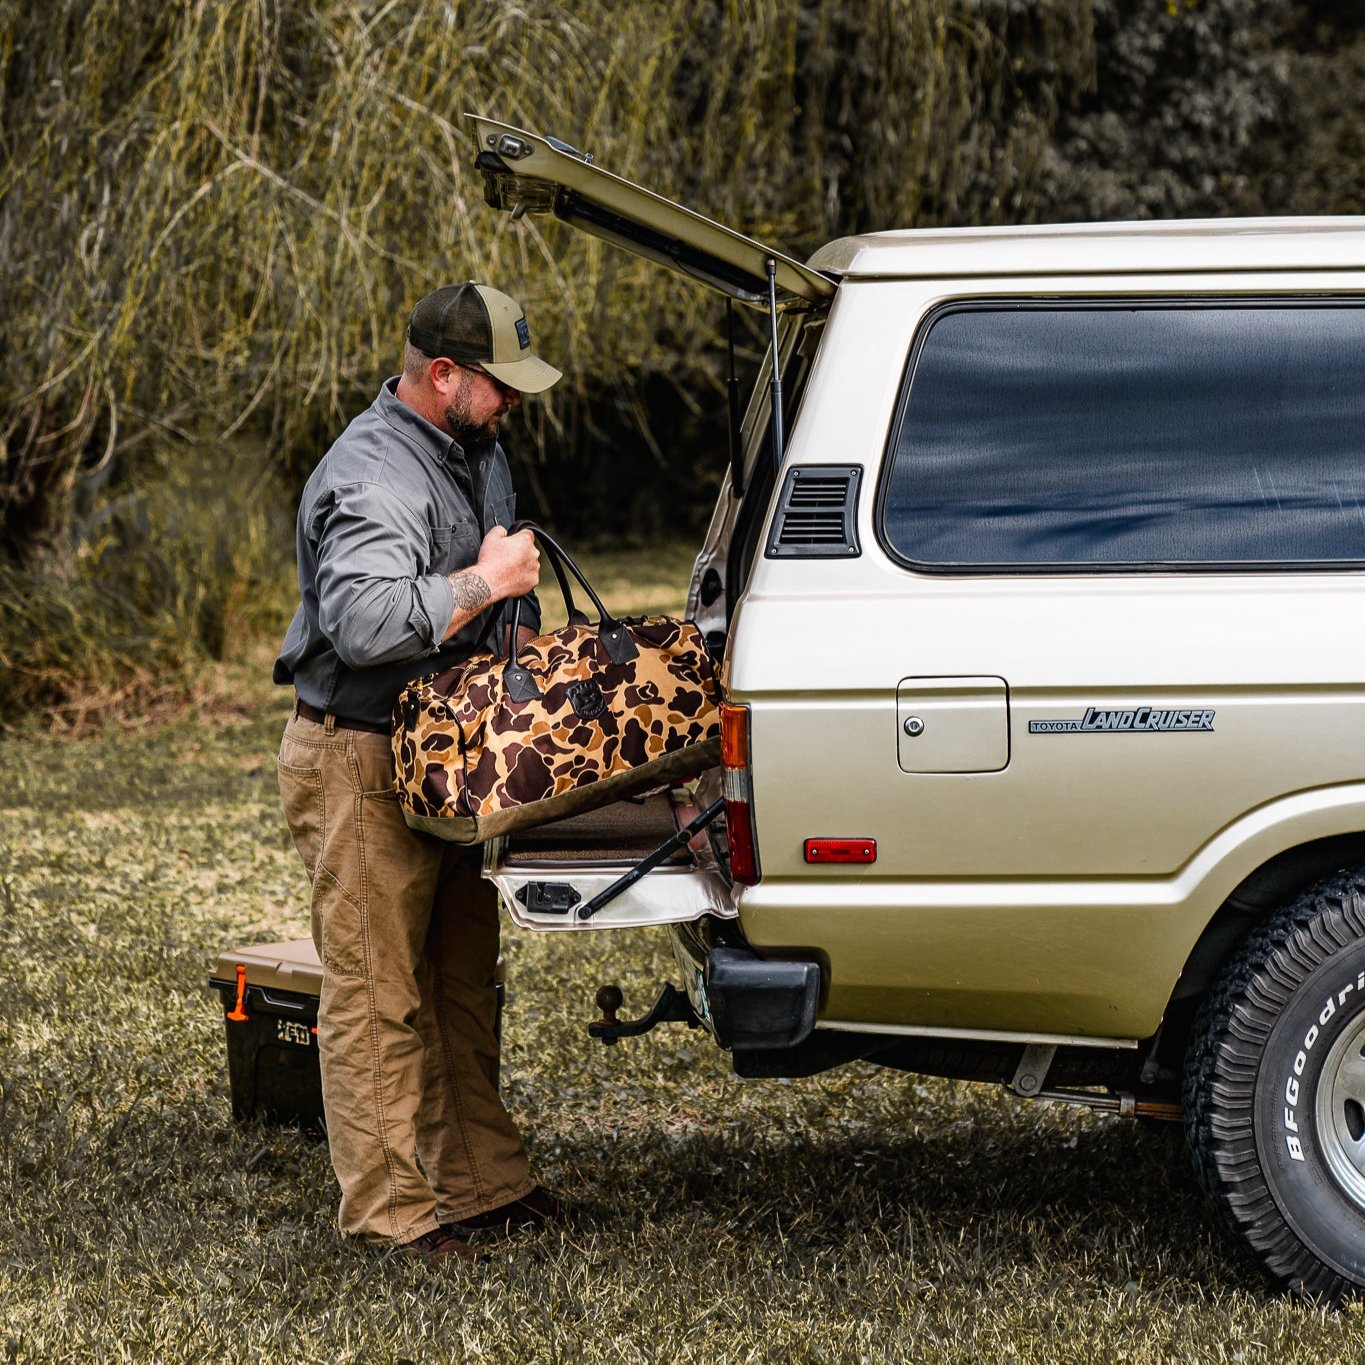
[1035,583]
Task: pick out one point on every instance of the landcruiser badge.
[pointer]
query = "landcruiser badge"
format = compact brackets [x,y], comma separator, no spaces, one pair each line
[1142,719]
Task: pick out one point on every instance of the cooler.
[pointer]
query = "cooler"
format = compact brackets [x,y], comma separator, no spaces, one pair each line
[270,1009]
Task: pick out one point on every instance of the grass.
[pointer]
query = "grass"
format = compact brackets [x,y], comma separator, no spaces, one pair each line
[629,581]
[856,1216]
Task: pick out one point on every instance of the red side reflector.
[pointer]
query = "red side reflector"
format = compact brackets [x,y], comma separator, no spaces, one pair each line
[841,850]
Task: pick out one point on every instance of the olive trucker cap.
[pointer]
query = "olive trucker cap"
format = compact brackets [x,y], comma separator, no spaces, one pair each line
[475,325]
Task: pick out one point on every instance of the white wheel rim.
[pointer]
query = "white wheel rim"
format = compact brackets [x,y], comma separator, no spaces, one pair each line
[1341,1112]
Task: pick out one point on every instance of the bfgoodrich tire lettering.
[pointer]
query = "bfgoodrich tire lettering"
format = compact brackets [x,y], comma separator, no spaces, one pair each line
[1274,1087]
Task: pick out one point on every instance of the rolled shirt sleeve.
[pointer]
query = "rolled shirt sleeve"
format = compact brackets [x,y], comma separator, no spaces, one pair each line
[379,600]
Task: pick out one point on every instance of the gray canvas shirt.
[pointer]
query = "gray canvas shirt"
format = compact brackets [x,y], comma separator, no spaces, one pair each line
[387,514]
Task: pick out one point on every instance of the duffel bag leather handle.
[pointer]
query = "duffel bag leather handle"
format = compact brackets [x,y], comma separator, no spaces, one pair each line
[575,617]
[559,560]
[616,639]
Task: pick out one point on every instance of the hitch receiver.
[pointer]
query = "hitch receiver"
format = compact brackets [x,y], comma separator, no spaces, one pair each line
[672,1007]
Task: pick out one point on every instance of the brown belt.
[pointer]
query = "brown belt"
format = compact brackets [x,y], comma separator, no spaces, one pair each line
[320,717]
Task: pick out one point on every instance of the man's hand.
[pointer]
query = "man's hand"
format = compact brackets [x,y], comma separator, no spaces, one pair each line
[507,566]
[510,565]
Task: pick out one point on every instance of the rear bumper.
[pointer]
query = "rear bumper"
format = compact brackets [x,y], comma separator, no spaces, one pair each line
[760,1002]
[748,1002]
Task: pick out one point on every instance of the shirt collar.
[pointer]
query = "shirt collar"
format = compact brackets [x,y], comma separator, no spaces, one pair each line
[410,423]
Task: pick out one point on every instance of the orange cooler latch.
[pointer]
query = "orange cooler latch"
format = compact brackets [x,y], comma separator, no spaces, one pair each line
[238,1013]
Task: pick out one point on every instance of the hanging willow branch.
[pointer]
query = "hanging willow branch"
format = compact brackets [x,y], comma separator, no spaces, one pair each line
[229,207]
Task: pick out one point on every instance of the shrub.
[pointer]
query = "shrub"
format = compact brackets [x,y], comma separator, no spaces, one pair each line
[222,212]
[173,572]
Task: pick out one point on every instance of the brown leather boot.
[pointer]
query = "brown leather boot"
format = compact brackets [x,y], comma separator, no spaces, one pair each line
[531,1210]
[440,1245]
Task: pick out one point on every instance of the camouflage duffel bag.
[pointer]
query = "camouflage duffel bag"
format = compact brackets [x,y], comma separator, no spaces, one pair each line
[573,720]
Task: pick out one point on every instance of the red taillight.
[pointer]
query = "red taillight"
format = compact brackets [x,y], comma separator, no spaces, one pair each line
[739,793]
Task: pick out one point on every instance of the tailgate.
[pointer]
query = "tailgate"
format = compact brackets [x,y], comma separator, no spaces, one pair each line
[545,874]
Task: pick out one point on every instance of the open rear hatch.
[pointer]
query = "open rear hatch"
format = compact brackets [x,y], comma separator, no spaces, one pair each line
[549,876]
[525,173]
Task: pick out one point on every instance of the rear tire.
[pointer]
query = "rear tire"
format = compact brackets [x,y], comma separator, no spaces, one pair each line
[1275,1093]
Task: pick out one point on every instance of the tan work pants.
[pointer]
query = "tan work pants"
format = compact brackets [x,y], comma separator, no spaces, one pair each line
[407,932]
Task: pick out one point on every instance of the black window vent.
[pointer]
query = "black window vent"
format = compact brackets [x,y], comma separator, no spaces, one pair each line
[815,515]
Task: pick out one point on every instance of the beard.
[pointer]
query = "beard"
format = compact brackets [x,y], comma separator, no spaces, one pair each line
[463,427]
[468,433]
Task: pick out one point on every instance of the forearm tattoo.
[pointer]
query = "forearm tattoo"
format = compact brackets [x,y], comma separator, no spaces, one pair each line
[471,592]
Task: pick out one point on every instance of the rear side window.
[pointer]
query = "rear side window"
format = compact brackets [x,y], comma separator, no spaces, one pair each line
[1148,435]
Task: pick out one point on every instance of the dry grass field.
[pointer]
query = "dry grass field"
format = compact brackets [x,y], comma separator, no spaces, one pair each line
[859,1216]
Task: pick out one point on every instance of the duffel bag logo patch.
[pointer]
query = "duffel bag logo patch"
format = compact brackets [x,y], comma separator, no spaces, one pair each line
[586,699]
[592,713]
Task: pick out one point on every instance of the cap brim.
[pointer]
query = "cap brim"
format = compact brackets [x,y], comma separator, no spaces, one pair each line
[530,374]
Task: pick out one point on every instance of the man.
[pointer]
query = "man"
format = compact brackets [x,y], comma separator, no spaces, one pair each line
[403,557]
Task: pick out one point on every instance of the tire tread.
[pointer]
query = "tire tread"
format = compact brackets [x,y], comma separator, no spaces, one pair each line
[1230,1031]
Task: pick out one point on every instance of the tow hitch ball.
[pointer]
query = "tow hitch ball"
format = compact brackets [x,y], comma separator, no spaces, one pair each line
[672,1007]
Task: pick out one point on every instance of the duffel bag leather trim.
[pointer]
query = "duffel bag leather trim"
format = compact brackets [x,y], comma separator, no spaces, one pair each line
[477,829]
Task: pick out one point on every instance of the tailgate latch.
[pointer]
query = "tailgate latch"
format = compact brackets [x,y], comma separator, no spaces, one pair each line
[548,898]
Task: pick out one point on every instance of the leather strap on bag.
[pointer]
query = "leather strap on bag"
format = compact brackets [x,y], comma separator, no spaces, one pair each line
[616,639]
[576,617]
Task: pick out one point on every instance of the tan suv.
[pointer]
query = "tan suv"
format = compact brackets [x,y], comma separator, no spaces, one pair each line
[1040,610]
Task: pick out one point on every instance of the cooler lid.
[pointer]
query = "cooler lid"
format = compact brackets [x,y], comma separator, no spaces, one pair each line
[291,966]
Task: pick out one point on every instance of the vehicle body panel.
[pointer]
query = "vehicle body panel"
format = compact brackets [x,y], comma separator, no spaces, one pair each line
[1047,882]
[1062,893]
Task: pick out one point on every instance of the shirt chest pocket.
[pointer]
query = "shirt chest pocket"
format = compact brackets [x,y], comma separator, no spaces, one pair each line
[454,546]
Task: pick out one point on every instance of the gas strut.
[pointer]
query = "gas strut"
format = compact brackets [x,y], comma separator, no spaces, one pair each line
[775,387]
[732,397]
[660,855]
